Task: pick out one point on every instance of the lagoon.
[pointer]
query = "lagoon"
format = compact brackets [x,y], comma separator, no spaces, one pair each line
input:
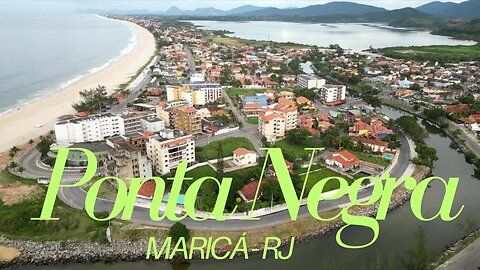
[356,36]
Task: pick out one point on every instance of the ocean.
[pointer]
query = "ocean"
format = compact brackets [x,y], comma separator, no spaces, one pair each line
[41,54]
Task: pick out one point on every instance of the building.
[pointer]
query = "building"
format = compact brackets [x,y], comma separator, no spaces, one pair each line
[260,99]
[126,161]
[250,109]
[333,94]
[343,160]
[167,149]
[152,124]
[93,128]
[132,121]
[195,94]
[243,157]
[166,111]
[187,120]
[310,81]
[272,126]
[291,117]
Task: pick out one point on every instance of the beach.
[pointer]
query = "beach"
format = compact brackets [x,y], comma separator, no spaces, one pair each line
[38,118]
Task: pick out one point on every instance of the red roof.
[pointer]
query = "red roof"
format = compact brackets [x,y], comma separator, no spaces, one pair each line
[147,189]
[302,99]
[345,158]
[242,151]
[250,189]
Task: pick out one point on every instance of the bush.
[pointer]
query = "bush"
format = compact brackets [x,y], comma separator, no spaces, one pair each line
[177,231]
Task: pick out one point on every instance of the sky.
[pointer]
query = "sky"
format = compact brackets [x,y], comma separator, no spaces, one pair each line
[160,5]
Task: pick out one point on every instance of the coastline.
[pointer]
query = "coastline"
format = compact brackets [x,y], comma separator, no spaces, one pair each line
[20,125]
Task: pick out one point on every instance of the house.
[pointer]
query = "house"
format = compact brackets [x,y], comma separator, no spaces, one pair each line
[376,145]
[251,109]
[343,160]
[360,128]
[260,99]
[307,104]
[243,157]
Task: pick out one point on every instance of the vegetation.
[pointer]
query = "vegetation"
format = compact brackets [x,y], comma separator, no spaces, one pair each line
[210,151]
[73,224]
[440,53]
[93,100]
[177,231]
[417,257]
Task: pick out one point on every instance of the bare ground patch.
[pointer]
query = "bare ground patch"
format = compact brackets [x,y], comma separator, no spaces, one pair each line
[7,254]
[16,193]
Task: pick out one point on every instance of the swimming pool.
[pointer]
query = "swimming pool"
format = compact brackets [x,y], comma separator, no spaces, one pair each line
[181,198]
[388,156]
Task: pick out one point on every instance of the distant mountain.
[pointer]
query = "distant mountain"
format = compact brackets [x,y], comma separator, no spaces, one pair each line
[398,15]
[332,8]
[243,9]
[174,11]
[436,8]
[466,10]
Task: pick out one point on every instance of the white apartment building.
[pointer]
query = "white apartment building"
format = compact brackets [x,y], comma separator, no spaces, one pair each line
[291,117]
[166,151]
[310,81]
[272,126]
[89,129]
[152,123]
[333,93]
[195,94]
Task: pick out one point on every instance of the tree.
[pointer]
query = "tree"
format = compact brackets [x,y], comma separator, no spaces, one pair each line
[220,166]
[415,87]
[12,165]
[417,257]
[44,145]
[92,100]
[467,99]
[21,169]
[177,231]
[31,141]
[298,136]
[435,113]
[372,100]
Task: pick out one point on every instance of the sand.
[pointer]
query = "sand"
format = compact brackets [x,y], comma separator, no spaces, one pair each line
[7,254]
[19,126]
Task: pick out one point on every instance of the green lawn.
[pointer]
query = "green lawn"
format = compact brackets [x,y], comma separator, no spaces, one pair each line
[372,159]
[292,151]
[442,53]
[74,224]
[315,177]
[201,172]
[210,151]
[7,178]
[252,120]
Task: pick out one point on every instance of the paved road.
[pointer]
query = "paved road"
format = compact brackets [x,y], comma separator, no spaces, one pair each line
[467,259]
[190,60]
[469,138]
[134,93]
[75,197]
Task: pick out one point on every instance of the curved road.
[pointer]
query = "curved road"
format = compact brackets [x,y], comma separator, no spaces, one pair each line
[75,197]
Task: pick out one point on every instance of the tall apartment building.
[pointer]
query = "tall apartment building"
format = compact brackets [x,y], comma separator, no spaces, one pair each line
[126,161]
[152,123]
[333,94]
[188,120]
[291,117]
[166,151]
[166,111]
[132,121]
[271,125]
[195,94]
[89,129]
[310,81]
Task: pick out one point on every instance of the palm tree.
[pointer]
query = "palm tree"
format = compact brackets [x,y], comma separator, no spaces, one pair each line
[31,141]
[21,169]
[14,149]
[12,165]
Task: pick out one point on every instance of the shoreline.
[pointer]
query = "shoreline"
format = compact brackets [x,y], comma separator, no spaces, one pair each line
[71,252]
[17,126]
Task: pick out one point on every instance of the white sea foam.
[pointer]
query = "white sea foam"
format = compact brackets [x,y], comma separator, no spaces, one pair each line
[37,95]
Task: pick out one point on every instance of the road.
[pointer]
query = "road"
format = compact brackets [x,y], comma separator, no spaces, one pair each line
[468,258]
[190,60]
[134,93]
[469,138]
[75,197]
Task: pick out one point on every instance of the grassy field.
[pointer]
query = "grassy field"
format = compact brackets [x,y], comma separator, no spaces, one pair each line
[15,220]
[315,177]
[210,151]
[252,120]
[292,151]
[442,53]
[232,41]
[241,91]
[201,172]
[372,159]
